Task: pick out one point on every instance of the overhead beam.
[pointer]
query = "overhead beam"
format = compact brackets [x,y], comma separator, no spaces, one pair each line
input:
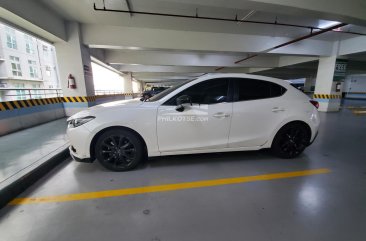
[285,61]
[352,45]
[291,60]
[177,69]
[34,17]
[352,11]
[185,59]
[120,37]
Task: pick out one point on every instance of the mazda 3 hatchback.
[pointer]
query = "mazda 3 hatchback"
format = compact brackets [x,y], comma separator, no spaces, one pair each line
[213,113]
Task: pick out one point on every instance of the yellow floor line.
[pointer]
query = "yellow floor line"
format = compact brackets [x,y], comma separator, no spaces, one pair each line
[165,188]
[359,112]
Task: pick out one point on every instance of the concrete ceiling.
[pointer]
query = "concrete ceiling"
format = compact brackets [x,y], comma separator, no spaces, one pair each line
[170,49]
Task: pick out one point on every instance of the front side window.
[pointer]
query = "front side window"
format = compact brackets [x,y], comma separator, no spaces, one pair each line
[15,66]
[33,69]
[207,92]
[253,89]
[11,41]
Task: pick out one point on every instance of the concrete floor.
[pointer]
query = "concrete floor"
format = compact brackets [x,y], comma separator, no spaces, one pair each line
[321,207]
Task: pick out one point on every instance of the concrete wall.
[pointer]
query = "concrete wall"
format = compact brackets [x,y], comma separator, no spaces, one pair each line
[72,108]
[355,86]
[17,119]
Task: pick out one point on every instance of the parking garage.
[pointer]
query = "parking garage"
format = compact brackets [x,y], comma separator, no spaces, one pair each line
[182,120]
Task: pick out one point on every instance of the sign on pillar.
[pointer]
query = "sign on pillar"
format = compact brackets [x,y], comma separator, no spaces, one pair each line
[340,70]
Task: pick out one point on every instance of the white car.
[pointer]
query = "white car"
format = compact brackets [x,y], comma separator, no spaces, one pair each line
[213,113]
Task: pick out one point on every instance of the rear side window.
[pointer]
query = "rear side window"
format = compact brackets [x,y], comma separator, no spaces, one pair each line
[253,89]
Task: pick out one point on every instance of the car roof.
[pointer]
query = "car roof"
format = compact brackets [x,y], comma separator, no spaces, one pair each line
[246,76]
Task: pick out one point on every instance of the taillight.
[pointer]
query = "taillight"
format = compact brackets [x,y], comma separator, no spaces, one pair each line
[315,103]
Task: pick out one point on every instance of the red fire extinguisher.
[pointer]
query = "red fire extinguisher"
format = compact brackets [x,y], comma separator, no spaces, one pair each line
[71,82]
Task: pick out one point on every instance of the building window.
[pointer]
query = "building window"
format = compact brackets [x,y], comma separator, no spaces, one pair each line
[29,44]
[48,71]
[45,50]
[33,69]
[15,66]
[20,94]
[11,41]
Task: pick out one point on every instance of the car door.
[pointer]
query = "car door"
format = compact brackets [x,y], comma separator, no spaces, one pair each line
[204,124]
[257,110]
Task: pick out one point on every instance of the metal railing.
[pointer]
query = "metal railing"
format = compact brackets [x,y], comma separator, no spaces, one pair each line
[108,92]
[8,94]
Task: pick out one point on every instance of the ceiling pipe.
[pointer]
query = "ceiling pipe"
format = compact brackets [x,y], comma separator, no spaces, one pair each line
[129,7]
[251,13]
[236,20]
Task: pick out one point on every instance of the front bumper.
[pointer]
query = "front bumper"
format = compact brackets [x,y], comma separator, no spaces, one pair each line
[78,159]
[80,139]
[312,141]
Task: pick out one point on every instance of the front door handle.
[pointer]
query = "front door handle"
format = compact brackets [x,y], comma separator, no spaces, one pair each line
[221,115]
[277,109]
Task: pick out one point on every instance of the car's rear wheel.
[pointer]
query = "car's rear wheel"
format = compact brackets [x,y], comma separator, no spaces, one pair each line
[291,140]
[119,150]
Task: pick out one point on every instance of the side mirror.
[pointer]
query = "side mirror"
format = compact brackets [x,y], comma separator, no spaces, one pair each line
[183,99]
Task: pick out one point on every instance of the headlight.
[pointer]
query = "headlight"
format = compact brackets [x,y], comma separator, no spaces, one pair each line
[79,121]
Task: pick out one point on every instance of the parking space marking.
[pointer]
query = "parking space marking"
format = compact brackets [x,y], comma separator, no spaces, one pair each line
[165,187]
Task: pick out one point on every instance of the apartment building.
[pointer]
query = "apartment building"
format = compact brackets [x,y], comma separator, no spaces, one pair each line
[28,66]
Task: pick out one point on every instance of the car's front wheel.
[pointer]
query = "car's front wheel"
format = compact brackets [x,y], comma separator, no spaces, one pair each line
[119,150]
[291,140]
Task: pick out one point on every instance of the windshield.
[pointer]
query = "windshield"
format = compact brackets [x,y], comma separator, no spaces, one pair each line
[166,92]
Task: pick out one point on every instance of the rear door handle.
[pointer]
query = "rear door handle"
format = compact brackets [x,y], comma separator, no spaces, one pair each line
[277,109]
[221,115]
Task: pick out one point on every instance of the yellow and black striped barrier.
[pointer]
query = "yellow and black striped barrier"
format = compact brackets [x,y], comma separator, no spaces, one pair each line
[74,99]
[327,96]
[19,104]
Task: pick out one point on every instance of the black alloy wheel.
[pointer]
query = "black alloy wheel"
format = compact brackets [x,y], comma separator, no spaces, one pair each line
[291,140]
[119,150]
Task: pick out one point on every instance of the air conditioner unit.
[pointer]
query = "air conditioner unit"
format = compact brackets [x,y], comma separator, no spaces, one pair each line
[3,84]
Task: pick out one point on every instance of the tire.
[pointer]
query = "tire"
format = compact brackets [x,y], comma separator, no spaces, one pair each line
[119,150]
[291,140]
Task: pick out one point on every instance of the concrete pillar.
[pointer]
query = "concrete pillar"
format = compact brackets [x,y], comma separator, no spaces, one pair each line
[127,85]
[325,87]
[74,58]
